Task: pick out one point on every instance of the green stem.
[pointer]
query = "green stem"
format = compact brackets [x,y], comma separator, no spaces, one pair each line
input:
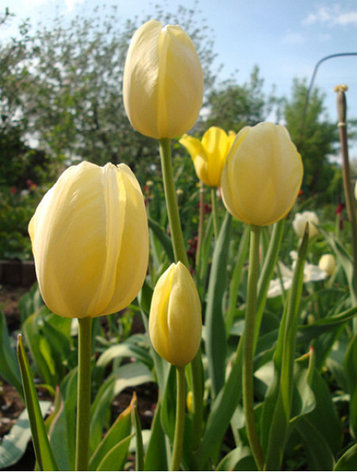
[171,202]
[197,391]
[83,393]
[201,221]
[248,348]
[180,419]
[214,211]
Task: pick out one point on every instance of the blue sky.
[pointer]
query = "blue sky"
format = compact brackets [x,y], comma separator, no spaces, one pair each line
[285,38]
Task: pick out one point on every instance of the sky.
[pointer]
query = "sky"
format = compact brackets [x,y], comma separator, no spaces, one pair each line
[285,38]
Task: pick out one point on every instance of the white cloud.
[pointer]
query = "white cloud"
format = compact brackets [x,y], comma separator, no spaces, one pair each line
[331,16]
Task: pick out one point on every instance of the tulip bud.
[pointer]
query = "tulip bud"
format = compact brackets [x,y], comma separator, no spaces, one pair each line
[175,323]
[90,241]
[163,81]
[209,155]
[262,175]
[300,221]
[327,263]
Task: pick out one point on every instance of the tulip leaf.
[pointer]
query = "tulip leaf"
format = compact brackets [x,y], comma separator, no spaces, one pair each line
[14,444]
[63,426]
[139,449]
[214,321]
[348,461]
[163,238]
[119,430]
[156,454]
[351,369]
[44,454]
[9,368]
[239,458]
[116,457]
[278,401]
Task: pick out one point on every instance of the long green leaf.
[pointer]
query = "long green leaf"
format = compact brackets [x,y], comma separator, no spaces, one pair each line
[139,449]
[43,451]
[277,404]
[119,430]
[162,237]
[348,461]
[9,368]
[156,454]
[214,320]
[115,458]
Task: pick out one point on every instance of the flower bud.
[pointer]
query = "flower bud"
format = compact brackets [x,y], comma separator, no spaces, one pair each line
[262,175]
[300,221]
[327,263]
[163,81]
[175,323]
[90,241]
[209,155]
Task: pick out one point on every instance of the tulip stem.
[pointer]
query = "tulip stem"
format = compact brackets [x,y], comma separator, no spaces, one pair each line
[180,418]
[83,392]
[214,211]
[248,348]
[171,203]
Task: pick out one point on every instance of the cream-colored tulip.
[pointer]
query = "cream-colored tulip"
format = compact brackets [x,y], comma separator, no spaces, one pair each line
[90,241]
[300,221]
[163,81]
[209,155]
[327,263]
[262,175]
[175,322]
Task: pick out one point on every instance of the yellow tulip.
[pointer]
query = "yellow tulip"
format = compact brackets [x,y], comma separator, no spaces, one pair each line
[209,155]
[300,221]
[90,241]
[163,81]
[262,175]
[327,263]
[175,323]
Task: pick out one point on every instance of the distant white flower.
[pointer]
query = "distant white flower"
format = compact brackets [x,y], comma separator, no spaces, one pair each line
[312,273]
[356,190]
[327,263]
[300,221]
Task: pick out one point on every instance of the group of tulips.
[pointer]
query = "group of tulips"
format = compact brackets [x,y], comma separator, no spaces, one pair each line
[90,233]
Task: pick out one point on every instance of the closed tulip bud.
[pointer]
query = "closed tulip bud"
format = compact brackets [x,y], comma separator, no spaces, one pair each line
[163,81]
[300,221]
[90,241]
[175,323]
[262,175]
[209,155]
[327,263]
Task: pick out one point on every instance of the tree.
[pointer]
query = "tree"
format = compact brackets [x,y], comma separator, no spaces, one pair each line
[232,106]
[72,99]
[315,138]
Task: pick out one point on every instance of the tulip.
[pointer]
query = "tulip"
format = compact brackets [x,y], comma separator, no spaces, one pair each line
[327,263]
[163,81]
[175,323]
[300,221]
[209,155]
[90,241]
[262,175]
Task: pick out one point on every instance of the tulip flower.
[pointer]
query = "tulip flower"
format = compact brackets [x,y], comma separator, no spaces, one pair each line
[209,155]
[175,316]
[163,81]
[90,241]
[327,263]
[262,175]
[300,221]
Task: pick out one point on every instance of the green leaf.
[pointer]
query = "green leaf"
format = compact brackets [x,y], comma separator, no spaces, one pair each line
[162,237]
[351,369]
[63,426]
[215,341]
[139,449]
[277,404]
[43,451]
[9,368]
[239,458]
[348,461]
[119,430]
[116,457]
[14,444]
[156,454]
